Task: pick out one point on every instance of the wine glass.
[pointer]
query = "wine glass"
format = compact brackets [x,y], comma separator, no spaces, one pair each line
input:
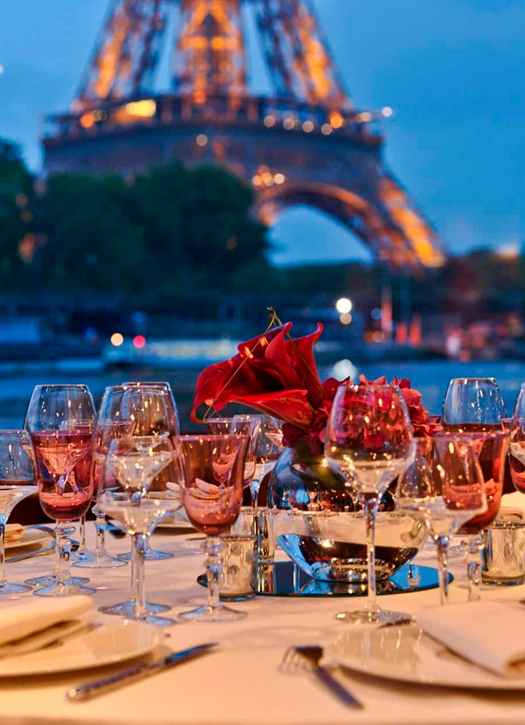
[109,426]
[17,481]
[171,405]
[153,410]
[472,404]
[60,420]
[515,427]
[368,441]
[212,477]
[444,489]
[218,426]
[248,425]
[132,464]
[266,452]
[491,449]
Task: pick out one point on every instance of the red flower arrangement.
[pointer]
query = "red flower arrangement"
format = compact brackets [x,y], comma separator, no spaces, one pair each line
[277,375]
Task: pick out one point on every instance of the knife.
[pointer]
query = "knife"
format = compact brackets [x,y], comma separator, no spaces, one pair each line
[137,672]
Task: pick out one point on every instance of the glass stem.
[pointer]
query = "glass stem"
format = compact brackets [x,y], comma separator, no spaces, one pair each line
[473,548]
[100,528]
[3,522]
[63,534]
[370,502]
[442,552]
[82,535]
[214,548]
[139,544]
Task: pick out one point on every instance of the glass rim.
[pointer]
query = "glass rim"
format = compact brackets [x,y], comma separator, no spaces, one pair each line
[370,386]
[46,386]
[472,435]
[209,437]
[473,380]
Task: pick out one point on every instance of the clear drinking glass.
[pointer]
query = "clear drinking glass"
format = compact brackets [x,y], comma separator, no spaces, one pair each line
[368,440]
[17,481]
[132,464]
[212,470]
[60,420]
[475,406]
[266,451]
[472,404]
[153,410]
[443,487]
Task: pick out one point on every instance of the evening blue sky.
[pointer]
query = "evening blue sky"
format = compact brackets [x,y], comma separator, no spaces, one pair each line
[451,69]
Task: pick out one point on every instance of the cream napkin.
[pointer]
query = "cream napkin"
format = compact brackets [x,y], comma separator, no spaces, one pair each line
[25,618]
[489,634]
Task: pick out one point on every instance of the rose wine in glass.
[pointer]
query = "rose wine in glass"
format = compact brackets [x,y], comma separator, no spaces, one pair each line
[60,420]
[212,483]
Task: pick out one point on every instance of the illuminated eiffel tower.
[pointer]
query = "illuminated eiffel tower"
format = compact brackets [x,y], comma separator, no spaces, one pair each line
[307,144]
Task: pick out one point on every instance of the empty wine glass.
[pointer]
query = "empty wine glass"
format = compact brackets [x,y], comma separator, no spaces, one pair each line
[266,451]
[60,420]
[132,464]
[368,441]
[17,481]
[171,405]
[472,405]
[152,408]
[212,477]
[443,492]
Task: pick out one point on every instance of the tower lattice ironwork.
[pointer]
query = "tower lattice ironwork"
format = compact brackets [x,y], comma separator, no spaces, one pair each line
[307,144]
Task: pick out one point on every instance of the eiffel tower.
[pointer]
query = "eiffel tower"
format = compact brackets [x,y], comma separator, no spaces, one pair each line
[306,144]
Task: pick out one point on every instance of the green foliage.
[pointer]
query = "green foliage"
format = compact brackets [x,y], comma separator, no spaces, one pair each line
[16,190]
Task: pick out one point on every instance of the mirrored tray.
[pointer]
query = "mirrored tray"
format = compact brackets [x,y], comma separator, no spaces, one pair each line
[285,579]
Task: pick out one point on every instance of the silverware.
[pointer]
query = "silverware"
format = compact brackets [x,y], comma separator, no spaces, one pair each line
[306,659]
[137,672]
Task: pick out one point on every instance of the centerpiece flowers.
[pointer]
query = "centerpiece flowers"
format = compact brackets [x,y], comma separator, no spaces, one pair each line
[277,375]
[315,514]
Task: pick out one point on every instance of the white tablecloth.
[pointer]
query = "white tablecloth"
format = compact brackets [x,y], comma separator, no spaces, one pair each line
[241,683]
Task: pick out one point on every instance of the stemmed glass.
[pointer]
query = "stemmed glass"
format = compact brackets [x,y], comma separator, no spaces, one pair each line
[515,426]
[60,420]
[132,463]
[171,405]
[152,408]
[368,441]
[266,451]
[443,487]
[475,406]
[472,405]
[248,425]
[17,481]
[212,476]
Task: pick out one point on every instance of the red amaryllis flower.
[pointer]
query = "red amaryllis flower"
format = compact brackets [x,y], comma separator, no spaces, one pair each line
[419,415]
[271,373]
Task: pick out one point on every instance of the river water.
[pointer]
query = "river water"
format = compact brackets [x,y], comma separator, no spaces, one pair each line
[429,377]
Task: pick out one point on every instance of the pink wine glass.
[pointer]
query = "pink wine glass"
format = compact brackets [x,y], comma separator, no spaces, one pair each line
[212,477]
[60,420]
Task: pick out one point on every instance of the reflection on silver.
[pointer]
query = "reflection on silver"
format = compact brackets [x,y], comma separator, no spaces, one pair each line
[238,567]
[504,553]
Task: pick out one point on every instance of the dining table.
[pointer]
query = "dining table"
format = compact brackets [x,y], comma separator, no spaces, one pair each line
[242,682]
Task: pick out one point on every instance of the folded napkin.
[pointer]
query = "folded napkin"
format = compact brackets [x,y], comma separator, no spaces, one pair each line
[25,618]
[13,532]
[489,634]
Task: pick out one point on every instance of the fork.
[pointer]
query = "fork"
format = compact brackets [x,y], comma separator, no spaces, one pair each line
[307,659]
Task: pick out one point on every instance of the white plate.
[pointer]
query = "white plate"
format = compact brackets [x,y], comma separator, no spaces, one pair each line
[30,537]
[105,644]
[407,654]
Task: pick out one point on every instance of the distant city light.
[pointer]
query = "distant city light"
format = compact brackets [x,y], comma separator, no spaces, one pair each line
[202,139]
[345,318]
[139,341]
[269,121]
[326,129]
[279,178]
[144,109]
[344,369]
[116,339]
[364,117]
[256,180]
[376,313]
[308,126]
[387,111]
[336,120]
[288,123]
[343,305]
